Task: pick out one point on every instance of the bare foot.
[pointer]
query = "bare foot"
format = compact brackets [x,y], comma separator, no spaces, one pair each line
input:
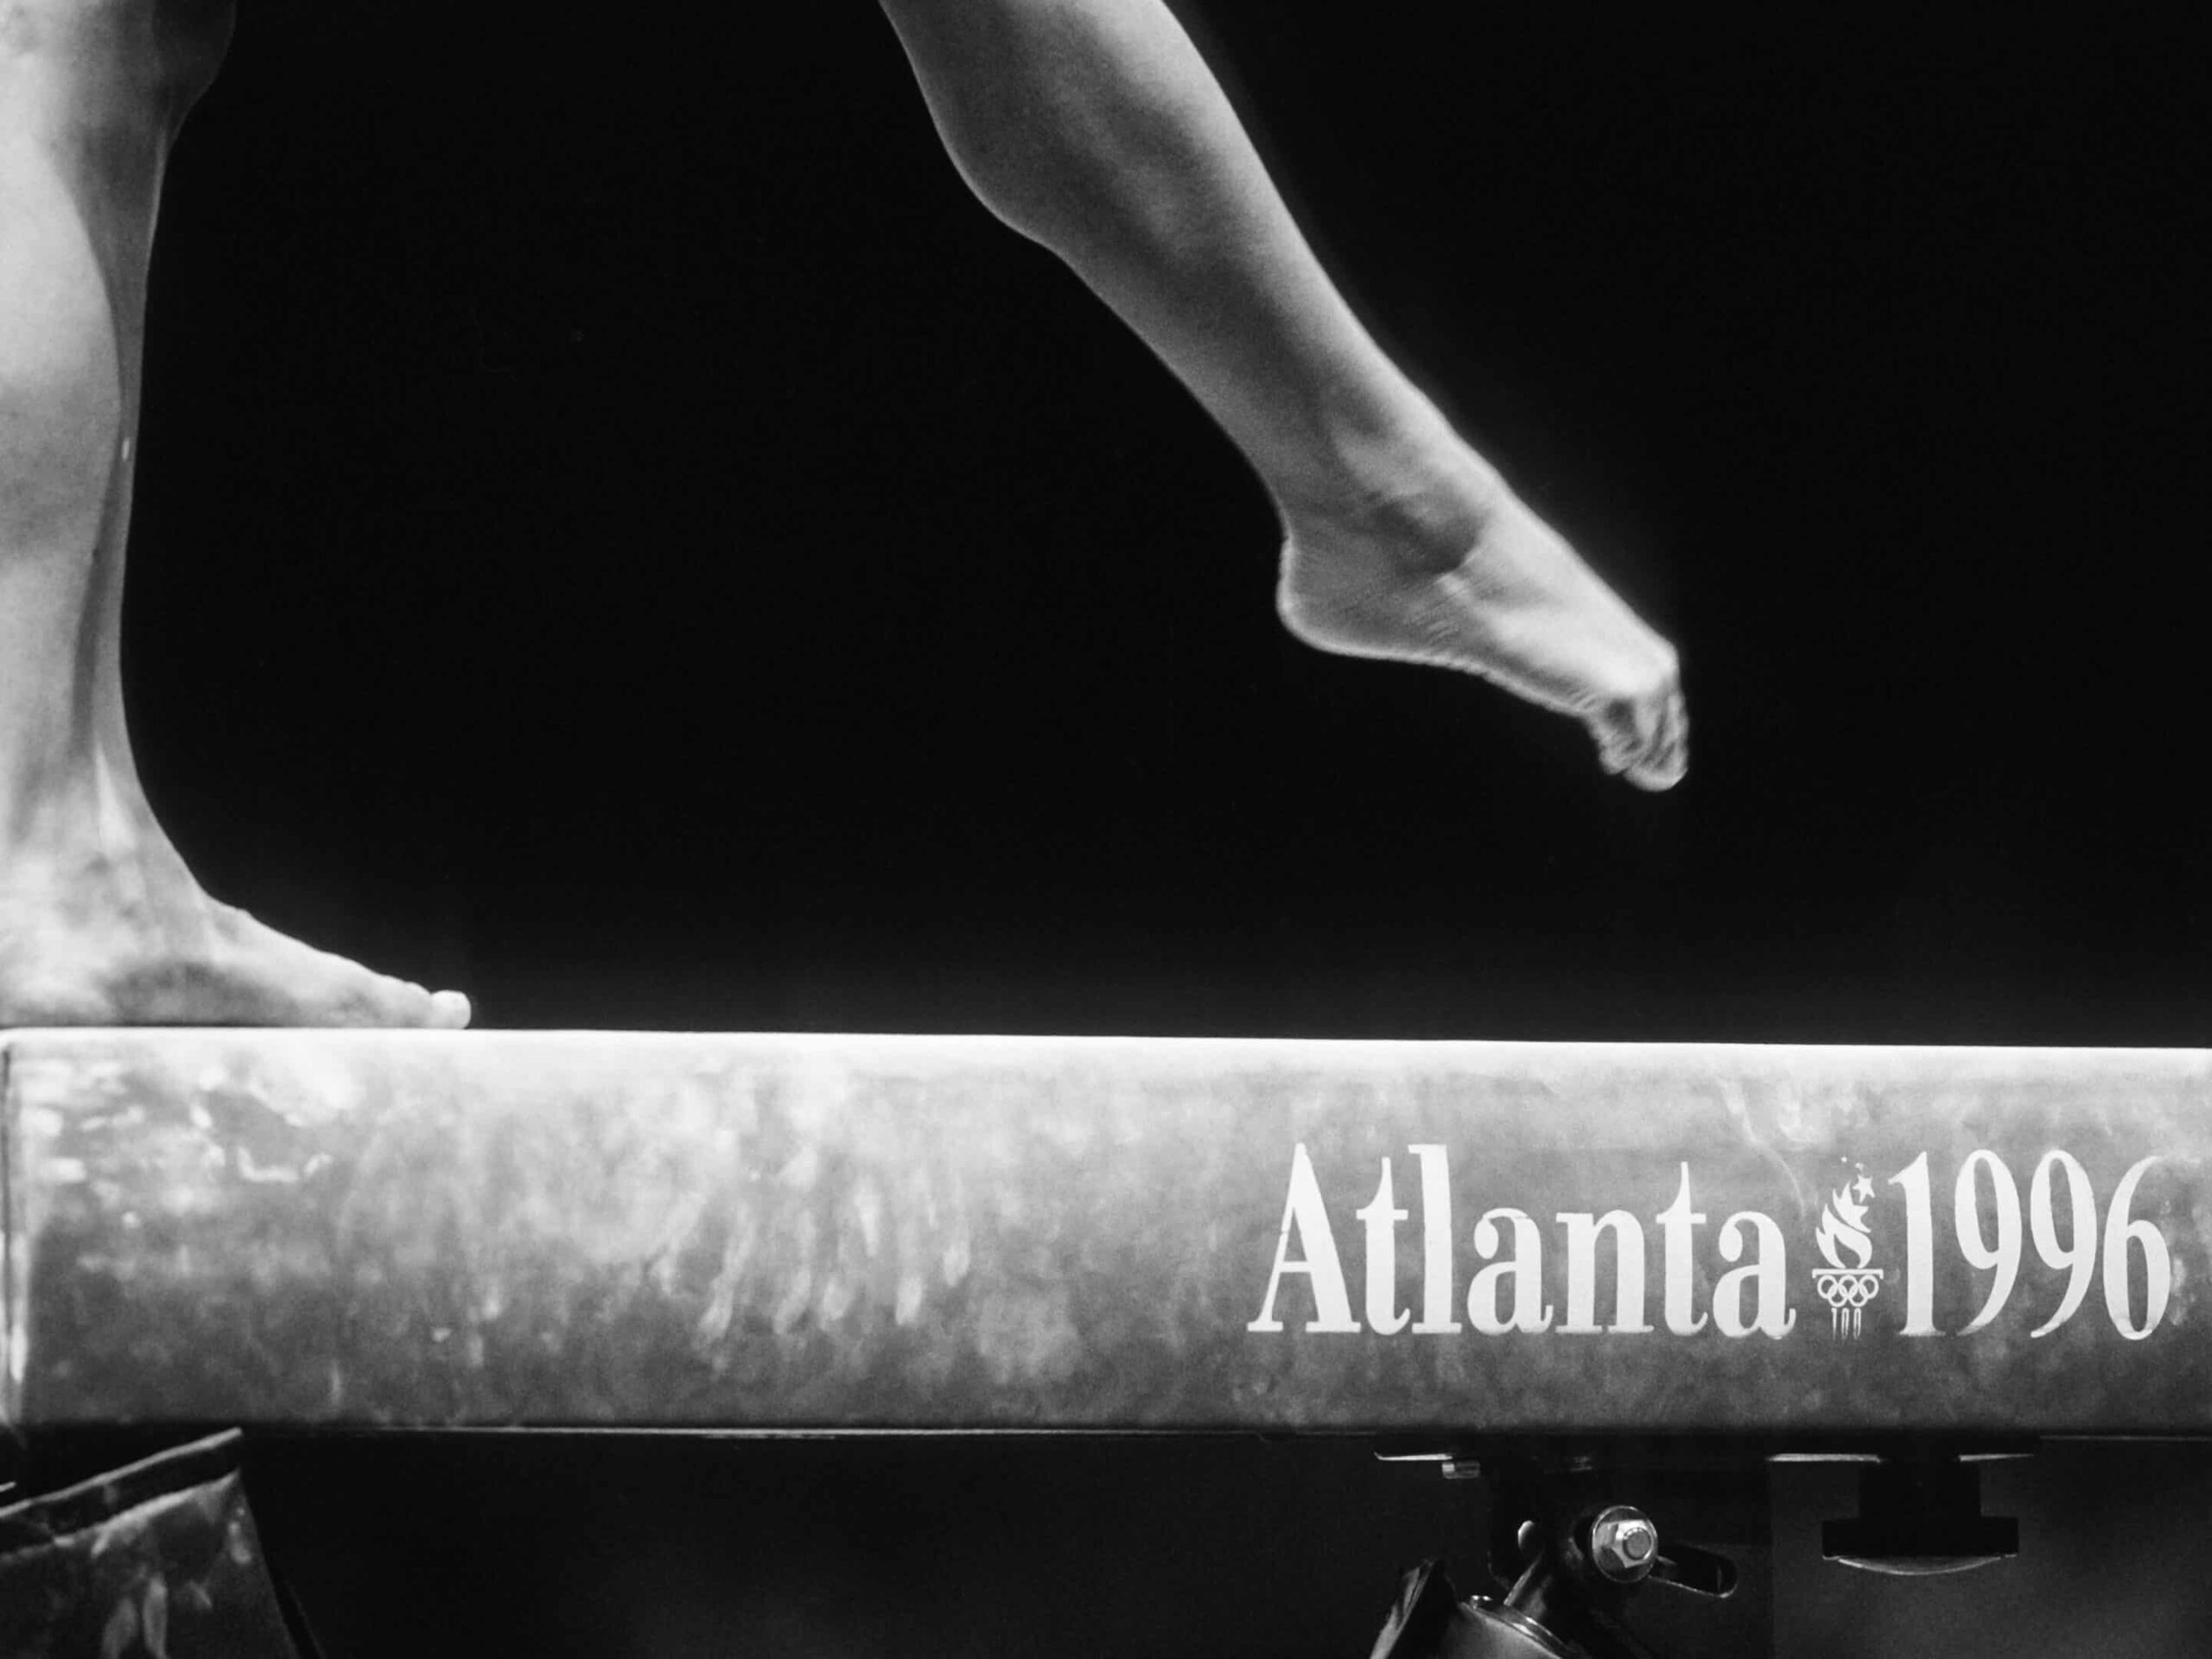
[1460,573]
[100,922]
[133,941]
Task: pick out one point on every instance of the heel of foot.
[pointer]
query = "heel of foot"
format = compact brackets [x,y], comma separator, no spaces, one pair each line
[1519,609]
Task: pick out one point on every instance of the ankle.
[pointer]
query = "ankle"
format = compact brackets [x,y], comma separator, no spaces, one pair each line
[1417,495]
[86,824]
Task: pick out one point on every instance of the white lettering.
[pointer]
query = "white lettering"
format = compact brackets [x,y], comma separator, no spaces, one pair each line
[1436,1318]
[1304,1208]
[2121,1230]
[1582,1231]
[1768,1272]
[1385,1316]
[1525,1268]
[2078,1256]
[1919,1250]
[1678,1223]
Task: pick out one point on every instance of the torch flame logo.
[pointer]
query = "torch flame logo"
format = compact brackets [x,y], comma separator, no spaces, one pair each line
[1843,1227]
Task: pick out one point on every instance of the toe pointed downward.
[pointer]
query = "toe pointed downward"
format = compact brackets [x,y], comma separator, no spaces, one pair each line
[1647,744]
[1667,762]
[449,1011]
[1659,776]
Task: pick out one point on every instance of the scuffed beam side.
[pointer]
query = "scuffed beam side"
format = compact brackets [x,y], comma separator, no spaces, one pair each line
[779,1232]
[13,1271]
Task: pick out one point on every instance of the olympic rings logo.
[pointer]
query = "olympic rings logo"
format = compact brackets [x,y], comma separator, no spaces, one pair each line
[1848,1288]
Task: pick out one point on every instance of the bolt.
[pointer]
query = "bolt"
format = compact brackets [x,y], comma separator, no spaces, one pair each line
[1624,1544]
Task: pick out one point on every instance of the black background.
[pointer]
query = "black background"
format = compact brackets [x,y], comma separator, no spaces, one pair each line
[621,531]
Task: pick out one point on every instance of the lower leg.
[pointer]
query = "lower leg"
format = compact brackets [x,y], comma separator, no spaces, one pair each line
[100,920]
[1094,127]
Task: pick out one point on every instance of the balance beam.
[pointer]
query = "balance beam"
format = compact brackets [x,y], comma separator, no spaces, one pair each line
[776,1234]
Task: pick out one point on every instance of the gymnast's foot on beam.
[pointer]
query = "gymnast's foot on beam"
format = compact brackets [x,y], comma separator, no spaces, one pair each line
[1455,571]
[113,931]
[101,921]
